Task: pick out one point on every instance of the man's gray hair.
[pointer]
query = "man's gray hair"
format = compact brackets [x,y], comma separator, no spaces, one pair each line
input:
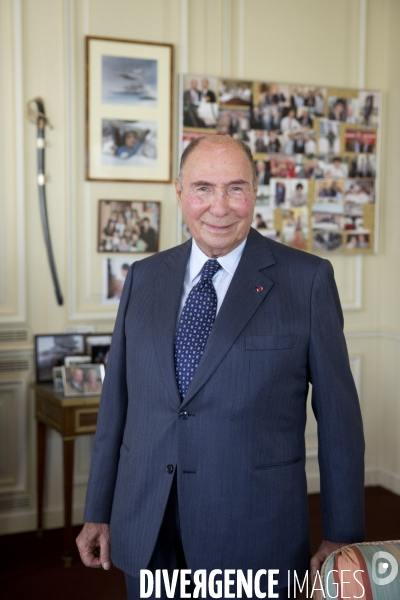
[194,143]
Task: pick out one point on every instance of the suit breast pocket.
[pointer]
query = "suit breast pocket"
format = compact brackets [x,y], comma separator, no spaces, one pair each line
[270,342]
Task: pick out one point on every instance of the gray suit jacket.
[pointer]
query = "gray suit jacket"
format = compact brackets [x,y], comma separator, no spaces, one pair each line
[240,453]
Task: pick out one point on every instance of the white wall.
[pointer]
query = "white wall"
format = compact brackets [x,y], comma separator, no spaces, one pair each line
[42,53]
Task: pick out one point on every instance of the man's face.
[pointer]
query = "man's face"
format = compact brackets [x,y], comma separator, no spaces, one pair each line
[78,376]
[193,84]
[217,197]
[130,140]
[204,84]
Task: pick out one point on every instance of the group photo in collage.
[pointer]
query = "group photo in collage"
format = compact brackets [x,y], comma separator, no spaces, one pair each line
[315,151]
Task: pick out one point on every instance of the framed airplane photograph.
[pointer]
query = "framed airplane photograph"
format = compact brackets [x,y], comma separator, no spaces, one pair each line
[128,110]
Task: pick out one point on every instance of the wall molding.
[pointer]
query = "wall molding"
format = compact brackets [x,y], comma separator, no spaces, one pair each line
[226,38]
[19,131]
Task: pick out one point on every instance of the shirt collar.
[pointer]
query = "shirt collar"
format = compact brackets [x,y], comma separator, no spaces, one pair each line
[229,262]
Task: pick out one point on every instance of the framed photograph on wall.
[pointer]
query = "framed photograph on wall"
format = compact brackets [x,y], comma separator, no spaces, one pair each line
[128,110]
[128,226]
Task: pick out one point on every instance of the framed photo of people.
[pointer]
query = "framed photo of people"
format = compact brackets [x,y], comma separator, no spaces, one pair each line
[128,226]
[316,152]
[128,110]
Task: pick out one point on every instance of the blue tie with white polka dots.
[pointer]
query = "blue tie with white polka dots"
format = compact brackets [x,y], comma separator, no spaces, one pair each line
[197,319]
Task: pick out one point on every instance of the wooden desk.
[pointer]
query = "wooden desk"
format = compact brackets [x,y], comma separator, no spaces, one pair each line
[71,417]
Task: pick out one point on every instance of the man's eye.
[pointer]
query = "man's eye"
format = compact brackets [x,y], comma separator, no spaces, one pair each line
[203,188]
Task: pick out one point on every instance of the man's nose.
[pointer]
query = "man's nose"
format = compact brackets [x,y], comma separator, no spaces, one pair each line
[220,204]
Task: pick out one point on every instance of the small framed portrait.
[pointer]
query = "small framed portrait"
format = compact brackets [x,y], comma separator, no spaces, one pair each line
[98,347]
[128,226]
[83,380]
[128,110]
[199,102]
[70,361]
[98,339]
[51,350]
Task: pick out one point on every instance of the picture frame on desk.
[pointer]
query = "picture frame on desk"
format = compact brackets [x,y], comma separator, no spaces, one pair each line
[83,380]
[51,350]
[128,110]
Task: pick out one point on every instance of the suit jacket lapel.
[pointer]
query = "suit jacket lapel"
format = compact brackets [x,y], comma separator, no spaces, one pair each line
[169,287]
[239,305]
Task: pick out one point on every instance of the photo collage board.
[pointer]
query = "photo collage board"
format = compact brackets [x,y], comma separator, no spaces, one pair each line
[316,154]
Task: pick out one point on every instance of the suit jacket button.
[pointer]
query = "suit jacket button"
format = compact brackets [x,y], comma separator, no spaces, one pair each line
[170,469]
[183,415]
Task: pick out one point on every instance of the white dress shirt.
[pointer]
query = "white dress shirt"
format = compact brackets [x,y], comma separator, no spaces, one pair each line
[221,279]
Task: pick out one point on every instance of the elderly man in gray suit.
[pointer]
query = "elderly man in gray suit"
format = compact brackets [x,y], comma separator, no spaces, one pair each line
[199,459]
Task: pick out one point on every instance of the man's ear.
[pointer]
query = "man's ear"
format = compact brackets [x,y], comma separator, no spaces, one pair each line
[178,191]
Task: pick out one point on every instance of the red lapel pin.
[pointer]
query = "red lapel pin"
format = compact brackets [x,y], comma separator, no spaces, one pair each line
[259,289]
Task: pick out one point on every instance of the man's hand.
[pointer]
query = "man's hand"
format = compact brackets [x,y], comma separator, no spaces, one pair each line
[325,549]
[94,545]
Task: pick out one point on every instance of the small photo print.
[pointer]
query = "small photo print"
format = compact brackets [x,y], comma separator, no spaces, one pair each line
[358,193]
[235,92]
[295,231]
[129,143]
[303,142]
[264,210]
[115,271]
[304,117]
[369,108]
[280,192]
[298,193]
[343,109]
[311,97]
[357,241]
[360,140]
[327,241]
[329,191]
[362,166]
[235,123]
[263,142]
[128,226]
[200,108]
[83,380]
[327,217]
[329,137]
[310,168]
[263,169]
[335,167]
[50,351]
[129,81]
[272,94]
[282,166]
